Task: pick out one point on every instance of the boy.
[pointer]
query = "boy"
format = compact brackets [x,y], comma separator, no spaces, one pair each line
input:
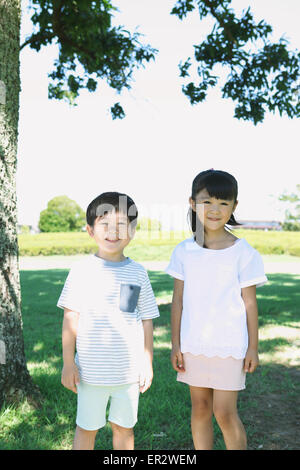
[108,307]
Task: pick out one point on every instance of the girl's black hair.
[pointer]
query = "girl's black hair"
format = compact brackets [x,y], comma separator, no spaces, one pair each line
[219,184]
[110,202]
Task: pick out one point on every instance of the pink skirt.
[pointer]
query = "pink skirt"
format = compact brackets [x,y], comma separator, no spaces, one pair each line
[213,372]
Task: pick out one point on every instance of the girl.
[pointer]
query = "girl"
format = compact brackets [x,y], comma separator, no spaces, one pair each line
[214,310]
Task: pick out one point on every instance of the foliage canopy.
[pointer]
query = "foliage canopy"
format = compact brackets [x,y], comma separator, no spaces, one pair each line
[262,76]
[292,215]
[62,215]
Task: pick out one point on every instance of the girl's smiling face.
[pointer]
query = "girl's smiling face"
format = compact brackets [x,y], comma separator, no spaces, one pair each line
[213,213]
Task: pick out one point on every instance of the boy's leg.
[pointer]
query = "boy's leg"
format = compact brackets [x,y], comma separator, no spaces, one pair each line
[226,414]
[123,438]
[84,440]
[201,419]
[91,409]
[123,415]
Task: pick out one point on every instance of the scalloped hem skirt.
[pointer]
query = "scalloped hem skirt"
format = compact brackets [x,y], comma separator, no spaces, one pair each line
[213,372]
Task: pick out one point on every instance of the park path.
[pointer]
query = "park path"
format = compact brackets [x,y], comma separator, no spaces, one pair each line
[65,262]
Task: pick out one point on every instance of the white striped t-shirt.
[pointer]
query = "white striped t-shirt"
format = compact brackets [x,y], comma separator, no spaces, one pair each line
[112,299]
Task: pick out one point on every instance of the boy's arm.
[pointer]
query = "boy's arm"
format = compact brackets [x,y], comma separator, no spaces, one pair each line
[176,312]
[70,375]
[147,372]
[249,298]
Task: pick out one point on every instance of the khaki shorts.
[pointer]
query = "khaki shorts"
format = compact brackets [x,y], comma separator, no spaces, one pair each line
[92,403]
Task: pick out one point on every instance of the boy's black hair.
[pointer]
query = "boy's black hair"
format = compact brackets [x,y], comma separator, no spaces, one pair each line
[110,202]
[219,184]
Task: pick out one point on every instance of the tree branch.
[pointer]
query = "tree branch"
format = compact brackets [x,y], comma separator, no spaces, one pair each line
[29,41]
[227,31]
[58,31]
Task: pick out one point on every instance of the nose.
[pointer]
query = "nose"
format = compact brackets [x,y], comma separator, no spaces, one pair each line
[112,232]
[214,208]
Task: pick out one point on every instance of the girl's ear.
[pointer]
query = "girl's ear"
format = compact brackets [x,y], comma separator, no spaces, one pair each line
[235,205]
[192,204]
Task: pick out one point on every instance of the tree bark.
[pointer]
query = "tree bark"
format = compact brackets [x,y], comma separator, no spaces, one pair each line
[15,381]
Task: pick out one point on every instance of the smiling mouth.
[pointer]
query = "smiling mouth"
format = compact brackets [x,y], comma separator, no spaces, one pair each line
[112,241]
[210,218]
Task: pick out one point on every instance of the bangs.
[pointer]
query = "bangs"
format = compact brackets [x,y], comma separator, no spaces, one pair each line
[111,202]
[218,184]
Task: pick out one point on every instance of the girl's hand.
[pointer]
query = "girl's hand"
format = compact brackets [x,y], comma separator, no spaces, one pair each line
[177,360]
[251,360]
[70,377]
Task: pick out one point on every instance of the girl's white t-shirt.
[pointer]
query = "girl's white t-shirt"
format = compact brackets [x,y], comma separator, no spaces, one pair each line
[214,321]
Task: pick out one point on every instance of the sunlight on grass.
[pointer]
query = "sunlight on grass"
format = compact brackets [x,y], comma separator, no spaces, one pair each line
[285,349]
[38,347]
[39,368]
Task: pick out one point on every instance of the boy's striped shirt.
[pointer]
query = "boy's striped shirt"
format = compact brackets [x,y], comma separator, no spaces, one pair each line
[112,299]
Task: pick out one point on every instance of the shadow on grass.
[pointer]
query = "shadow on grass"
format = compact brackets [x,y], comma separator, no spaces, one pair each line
[164,422]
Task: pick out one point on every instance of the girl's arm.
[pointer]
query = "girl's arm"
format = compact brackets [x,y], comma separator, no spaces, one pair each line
[176,312]
[70,374]
[249,298]
[147,372]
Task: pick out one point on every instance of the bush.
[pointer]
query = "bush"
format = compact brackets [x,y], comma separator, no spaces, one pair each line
[150,245]
[62,215]
[47,244]
[291,226]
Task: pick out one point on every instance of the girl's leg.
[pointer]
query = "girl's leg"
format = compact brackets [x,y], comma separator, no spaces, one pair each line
[201,419]
[123,438]
[225,411]
[84,440]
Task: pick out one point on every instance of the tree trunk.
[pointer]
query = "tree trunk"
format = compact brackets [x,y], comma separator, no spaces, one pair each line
[15,381]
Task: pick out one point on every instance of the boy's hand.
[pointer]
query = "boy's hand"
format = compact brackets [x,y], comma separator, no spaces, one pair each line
[146,376]
[70,377]
[177,360]
[251,360]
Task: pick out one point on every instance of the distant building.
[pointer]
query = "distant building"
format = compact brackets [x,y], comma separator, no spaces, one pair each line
[260,224]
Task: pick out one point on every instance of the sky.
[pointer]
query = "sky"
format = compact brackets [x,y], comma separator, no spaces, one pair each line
[154,153]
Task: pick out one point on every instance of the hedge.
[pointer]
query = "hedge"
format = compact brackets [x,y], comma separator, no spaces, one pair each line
[150,245]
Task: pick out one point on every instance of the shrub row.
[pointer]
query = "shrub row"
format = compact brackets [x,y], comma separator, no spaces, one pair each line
[146,245]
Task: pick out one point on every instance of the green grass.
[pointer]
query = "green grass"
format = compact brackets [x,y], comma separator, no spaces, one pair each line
[164,410]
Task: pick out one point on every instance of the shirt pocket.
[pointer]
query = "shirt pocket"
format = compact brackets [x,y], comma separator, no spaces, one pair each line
[129,295]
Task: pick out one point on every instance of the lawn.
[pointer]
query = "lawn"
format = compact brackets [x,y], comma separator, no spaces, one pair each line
[268,407]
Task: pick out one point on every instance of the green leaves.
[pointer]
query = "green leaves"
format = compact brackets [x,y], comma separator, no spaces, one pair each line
[62,215]
[89,47]
[182,8]
[117,111]
[262,76]
[292,214]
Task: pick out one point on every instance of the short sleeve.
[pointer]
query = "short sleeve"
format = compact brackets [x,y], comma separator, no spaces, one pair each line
[175,267]
[147,305]
[253,273]
[71,295]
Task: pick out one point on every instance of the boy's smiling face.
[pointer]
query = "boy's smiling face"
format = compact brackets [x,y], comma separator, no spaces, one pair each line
[112,233]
